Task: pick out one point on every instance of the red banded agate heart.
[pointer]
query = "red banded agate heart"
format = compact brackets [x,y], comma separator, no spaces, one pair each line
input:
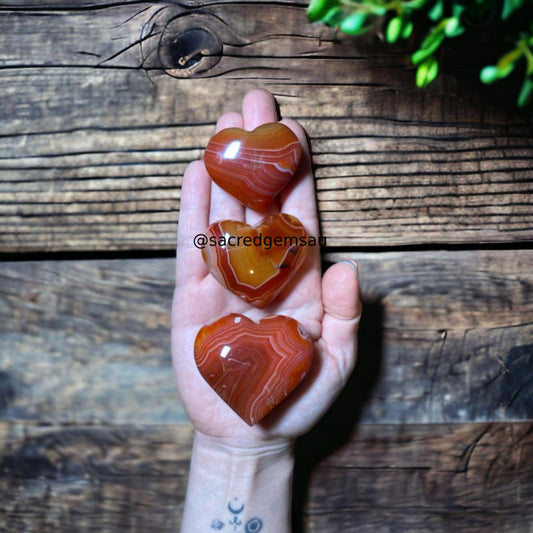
[253,166]
[255,263]
[253,366]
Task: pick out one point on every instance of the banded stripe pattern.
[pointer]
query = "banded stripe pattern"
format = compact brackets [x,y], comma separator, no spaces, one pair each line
[257,272]
[253,366]
[253,166]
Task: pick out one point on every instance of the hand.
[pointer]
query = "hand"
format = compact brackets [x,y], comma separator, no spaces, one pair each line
[328,308]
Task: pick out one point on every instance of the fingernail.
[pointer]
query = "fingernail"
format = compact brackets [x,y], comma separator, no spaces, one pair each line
[352,264]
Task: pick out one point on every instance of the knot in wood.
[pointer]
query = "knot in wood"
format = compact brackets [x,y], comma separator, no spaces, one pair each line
[188,47]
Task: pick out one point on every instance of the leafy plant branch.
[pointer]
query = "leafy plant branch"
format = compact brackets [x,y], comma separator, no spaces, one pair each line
[447,20]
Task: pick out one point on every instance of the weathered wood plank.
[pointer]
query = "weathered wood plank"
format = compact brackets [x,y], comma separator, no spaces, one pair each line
[94,141]
[88,341]
[465,477]
[446,336]
[472,477]
[103,478]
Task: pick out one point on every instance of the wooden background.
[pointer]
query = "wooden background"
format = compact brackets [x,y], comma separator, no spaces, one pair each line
[102,105]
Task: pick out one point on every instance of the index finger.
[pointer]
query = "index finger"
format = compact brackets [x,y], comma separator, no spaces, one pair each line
[193,220]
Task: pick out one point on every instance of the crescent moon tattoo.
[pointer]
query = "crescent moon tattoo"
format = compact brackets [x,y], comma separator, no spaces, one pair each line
[233,510]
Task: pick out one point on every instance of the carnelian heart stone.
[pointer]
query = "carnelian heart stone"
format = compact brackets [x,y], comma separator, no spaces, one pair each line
[253,166]
[253,366]
[255,263]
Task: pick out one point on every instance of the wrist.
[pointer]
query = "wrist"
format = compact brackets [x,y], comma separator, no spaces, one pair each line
[243,449]
[240,480]
[241,466]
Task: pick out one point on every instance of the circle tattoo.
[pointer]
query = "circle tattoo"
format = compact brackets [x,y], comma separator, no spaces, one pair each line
[254,525]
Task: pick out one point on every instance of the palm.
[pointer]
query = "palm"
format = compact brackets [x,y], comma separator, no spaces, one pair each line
[199,298]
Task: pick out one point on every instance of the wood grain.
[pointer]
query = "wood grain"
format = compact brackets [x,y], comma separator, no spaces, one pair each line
[472,477]
[446,337]
[95,478]
[97,131]
[465,477]
[103,104]
[85,342]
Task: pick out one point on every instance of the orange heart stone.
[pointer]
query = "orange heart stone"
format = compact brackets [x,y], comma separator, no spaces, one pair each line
[255,263]
[253,366]
[253,166]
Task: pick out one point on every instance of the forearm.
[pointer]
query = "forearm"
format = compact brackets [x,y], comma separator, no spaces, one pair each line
[238,487]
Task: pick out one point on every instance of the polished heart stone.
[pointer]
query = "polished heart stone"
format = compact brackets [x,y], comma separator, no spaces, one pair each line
[255,263]
[253,366]
[253,166]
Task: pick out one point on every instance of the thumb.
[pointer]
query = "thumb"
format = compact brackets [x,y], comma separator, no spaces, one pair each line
[342,312]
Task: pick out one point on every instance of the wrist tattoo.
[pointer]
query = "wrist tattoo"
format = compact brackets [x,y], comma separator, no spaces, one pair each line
[235,520]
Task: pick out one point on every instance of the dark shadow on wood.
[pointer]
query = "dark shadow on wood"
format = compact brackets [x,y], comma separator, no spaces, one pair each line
[339,423]
[8,388]
[484,43]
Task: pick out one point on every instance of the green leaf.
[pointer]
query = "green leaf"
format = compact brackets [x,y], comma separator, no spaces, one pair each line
[427,71]
[504,71]
[433,70]
[378,10]
[419,56]
[510,6]
[318,8]
[394,29]
[525,93]
[414,4]
[428,47]
[489,74]
[333,16]
[421,74]
[506,63]
[353,24]
[407,30]
[453,27]
[436,11]
[433,39]
[457,10]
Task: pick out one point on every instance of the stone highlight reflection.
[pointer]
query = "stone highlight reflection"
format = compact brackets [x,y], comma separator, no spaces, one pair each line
[257,271]
[253,366]
[253,166]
